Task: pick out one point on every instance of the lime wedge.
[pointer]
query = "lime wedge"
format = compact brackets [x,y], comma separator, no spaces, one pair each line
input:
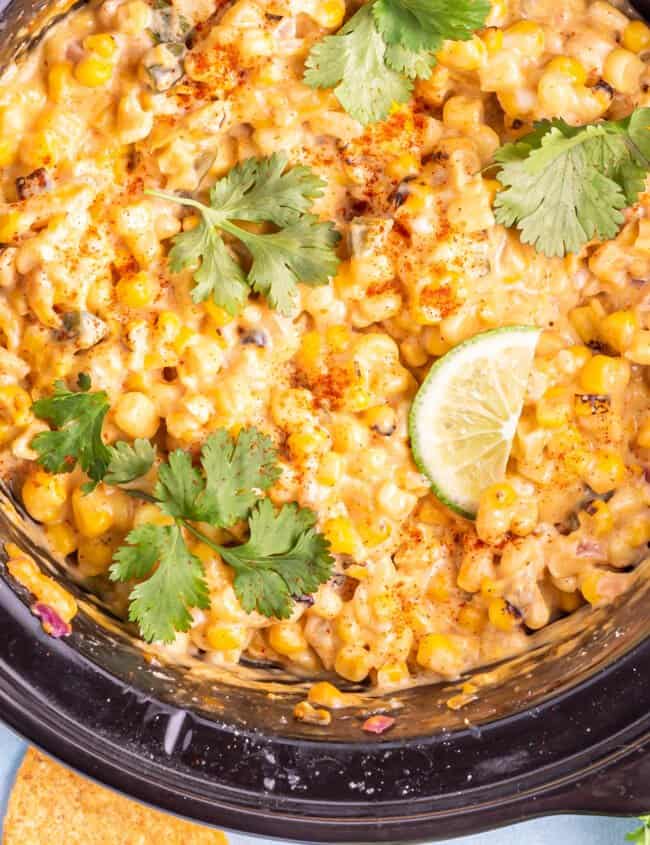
[464,416]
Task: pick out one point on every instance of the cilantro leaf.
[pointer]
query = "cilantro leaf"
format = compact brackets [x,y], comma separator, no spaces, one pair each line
[129,462]
[78,418]
[257,190]
[353,63]
[263,189]
[564,185]
[219,276]
[425,24]
[235,471]
[180,487]
[410,63]
[161,605]
[641,836]
[284,557]
[301,252]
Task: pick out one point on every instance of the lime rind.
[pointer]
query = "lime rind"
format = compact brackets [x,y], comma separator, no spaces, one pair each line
[464,416]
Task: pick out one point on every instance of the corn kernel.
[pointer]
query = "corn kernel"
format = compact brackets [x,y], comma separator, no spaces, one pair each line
[10,223]
[310,355]
[287,638]
[356,571]
[16,404]
[45,496]
[94,555]
[338,338]
[570,67]
[93,71]
[357,399]
[137,290]
[605,472]
[618,329]
[434,650]
[342,535]
[308,442]
[403,166]
[636,37]
[7,152]
[46,589]
[471,618]
[490,588]
[463,55]
[218,315]
[222,637]
[501,495]
[329,13]
[439,587]
[93,514]
[353,663]
[553,408]
[304,712]
[604,375]
[62,538]
[330,469]
[639,350]
[374,533]
[324,694]
[59,80]
[600,517]
[589,588]
[392,674]
[102,44]
[569,602]
[526,36]
[503,615]
[493,40]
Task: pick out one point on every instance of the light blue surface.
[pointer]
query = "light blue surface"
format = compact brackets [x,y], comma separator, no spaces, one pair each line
[559,830]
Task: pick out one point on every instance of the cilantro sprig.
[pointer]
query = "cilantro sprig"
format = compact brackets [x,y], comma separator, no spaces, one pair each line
[564,185]
[641,836]
[78,417]
[283,558]
[374,59]
[302,249]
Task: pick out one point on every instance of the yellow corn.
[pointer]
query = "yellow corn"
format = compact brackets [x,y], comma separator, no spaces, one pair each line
[604,375]
[374,533]
[353,663]
[606,472]
[471,618]
[490,588]
[304,712]
[570,601]
[324,694]
[223,637]
[338,338]
[329,13]
[218,315]
[94,555]
[287,638]
[570,67]
[500,495]
[310,441]
[101,43]
[430,648]
[502,615]
[93,71]
[45,496]
[359,573]
[7,152]
[58,80]
[137,290]
[554,407]
[342,535]
[402,166]
[62,538]
[10,223]
[526,36]
[463,55]
[601,517]
[330,469]
[493,40]
[636,37]
[46,589]
[392,674]
[310,355]
[16,404]
[618,329]
[589,587]
[92,512]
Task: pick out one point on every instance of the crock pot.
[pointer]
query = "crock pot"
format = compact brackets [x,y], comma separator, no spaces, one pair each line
[563,728]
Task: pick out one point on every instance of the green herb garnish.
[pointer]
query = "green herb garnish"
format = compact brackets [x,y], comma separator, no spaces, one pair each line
[257,190]
[372,61]
[564,185]
[641,836]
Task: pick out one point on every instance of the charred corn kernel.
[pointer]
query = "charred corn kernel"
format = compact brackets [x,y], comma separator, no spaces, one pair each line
[93,71]
[310,441]
[16,404]
[622,70]
[570,67]
[589,587]
[101,43]
[324,694]
[403,166]
[304,712]
[471,618]
[643,434]
[570,601]
[94,555]
[490,588]
[432,647]
[330,469]
[342,535]
[636,37]
[605,375]
[618,329]
[353,663]
[9,226]
[7,152]
[493,40]
[359,573]
[136,414]
[310,355]
[554,407]
[500,495]
[46,589]
[287,638]
[93,514]
[374,533]
[62,538]
[58,80]
[600,517]
[606,472]
[503,615]
[45,496]
[527,37]
[137,290]
[392,674]
[329,13]
[225,637]
[463,55]
[218,315]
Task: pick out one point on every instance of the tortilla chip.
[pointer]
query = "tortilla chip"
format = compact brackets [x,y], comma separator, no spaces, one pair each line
[50,805]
